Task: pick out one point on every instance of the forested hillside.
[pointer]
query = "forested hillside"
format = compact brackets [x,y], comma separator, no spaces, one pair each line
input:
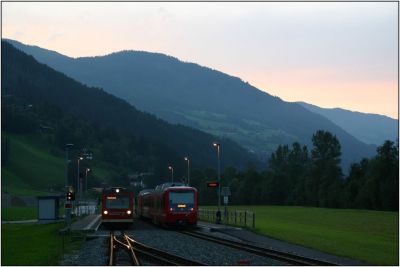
[93,118]
[203,98]
[37,99]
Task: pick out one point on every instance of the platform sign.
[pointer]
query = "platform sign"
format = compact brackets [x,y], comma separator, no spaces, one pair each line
[225,191]
[212,184]
[226,198]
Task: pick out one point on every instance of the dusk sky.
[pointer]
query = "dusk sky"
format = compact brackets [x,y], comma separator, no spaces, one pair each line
[327,54]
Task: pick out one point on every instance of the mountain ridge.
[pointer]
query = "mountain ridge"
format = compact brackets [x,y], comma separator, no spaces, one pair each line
[205,99]
[36,82]
[368,127]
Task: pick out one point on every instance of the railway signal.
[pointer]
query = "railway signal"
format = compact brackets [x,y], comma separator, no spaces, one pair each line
[70,196]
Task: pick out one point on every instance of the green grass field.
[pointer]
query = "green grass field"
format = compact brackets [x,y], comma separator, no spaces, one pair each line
[41,244]
[370,236]
[32,168]
[18,213]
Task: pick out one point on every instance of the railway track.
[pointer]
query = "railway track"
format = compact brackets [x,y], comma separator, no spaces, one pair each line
[138,252]
[264,252]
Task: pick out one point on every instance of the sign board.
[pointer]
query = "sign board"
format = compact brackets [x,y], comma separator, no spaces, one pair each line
[226,191]
[68,205]
[226,200]
[212,184]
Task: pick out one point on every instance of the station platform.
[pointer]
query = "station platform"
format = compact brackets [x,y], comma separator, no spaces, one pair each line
[213,227]
[88,223]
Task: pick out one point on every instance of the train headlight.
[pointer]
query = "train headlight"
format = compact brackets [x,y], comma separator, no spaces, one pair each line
[128,212]
[117,190]
[171,209]
[191,209]
[105,212]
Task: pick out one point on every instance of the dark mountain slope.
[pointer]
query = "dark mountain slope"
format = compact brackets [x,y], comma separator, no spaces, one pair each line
[24,77]
[369,128]
[203,98]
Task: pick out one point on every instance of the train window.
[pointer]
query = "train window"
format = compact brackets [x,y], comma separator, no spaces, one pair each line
[176,197]
[117,202]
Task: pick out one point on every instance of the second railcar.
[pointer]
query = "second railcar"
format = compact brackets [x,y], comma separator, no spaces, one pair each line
[170,204]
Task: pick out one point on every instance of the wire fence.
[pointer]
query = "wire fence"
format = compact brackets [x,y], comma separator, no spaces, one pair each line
[237,217]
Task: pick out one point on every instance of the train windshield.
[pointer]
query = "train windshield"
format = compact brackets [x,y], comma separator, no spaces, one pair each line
[117,202]
[181,197]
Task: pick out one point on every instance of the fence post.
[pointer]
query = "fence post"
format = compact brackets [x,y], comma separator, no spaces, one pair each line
[245,219]
[254,220]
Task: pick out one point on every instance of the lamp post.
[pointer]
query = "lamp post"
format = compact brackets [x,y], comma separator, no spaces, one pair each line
[188,165]
[66,165]
[78,182]
[217,145]
[86,200]
[172,172]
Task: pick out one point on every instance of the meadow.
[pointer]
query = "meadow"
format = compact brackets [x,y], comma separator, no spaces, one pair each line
[18,213]
[370,236]
[35,167]
[42,244]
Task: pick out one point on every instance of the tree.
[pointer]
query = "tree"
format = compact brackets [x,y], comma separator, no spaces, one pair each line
[388,169]
[325,179]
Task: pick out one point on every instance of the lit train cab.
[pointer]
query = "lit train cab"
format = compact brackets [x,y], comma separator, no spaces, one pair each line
[117,205]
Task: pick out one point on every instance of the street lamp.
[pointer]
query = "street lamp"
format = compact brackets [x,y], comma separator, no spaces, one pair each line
[66,164]
[172,172]
[188,164]
[86,202]
[217,145]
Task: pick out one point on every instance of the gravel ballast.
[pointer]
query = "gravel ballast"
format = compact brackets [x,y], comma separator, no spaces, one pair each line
[94,251]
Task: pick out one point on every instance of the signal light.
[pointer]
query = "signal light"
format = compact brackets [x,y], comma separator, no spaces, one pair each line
[70,195]
[212,184]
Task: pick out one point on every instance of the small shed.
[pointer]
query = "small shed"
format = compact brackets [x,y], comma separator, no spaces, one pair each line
[48,207]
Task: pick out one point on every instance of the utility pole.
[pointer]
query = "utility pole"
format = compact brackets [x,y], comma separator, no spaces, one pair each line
[217,145]
[172,172]
[188,168]
[67,210]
